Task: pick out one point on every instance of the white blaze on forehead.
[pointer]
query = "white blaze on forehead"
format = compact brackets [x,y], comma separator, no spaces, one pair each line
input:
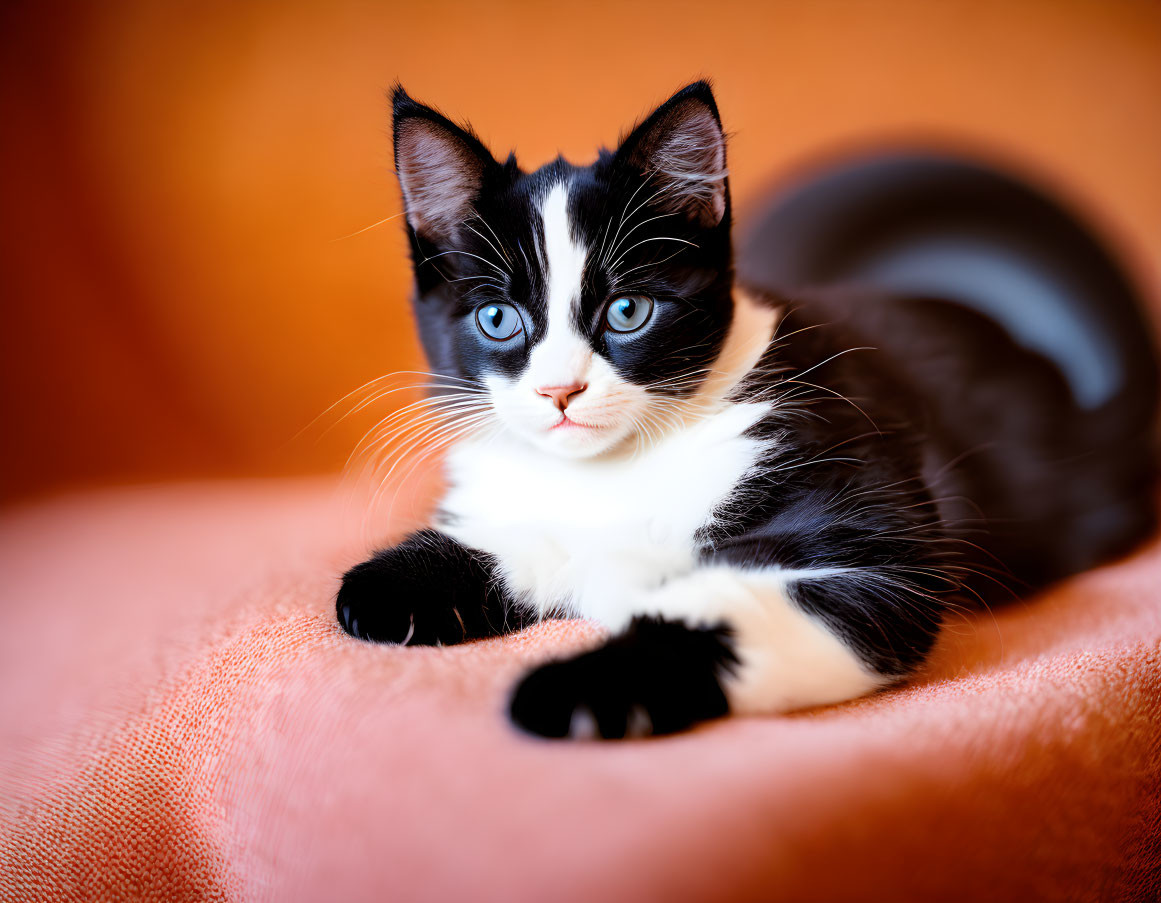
[563,356]
[565,257]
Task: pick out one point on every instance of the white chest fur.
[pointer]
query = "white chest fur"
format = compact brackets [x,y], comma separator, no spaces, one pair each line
[588,536]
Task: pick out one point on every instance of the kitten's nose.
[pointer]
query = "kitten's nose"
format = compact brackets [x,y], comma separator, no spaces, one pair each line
[561,395]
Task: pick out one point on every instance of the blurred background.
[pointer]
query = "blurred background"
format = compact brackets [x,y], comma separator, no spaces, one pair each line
[190,266]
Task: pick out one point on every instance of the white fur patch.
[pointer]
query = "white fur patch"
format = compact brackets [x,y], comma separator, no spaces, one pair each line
[562,357]
[589,536]
[565,259]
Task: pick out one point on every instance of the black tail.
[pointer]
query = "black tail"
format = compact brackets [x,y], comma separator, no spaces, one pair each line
[926,226]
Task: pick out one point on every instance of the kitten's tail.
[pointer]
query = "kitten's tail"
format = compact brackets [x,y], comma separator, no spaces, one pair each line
[925,225]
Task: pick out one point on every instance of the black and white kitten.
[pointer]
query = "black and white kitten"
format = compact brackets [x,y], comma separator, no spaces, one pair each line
[767,504]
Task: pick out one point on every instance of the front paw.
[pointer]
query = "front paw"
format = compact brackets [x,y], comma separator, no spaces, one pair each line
[658,677]
[387,599]
[427,591]
[376,602]
[567,699]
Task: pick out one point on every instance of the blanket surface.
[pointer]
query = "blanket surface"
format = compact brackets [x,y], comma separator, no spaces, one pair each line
[182,719]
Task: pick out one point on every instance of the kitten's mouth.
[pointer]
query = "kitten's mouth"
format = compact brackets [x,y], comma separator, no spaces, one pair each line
[566,423]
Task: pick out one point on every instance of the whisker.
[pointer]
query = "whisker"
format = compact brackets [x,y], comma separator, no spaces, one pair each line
[378,380]
[644,241]
[385,219]
[832,357]
[620,224]
[482,260]
[643,222]
[838,395]
[494,235]
[488,240]
[389,426]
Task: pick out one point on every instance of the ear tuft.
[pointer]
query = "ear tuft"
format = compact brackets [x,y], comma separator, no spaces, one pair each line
[440,166]
[682,147]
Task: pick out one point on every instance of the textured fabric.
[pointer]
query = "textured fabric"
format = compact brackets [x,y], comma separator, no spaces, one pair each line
[183,720]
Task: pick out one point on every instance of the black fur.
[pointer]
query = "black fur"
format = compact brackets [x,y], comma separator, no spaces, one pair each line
[667,671]
[428,590]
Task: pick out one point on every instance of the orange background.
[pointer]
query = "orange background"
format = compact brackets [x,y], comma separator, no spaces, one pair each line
[178,296]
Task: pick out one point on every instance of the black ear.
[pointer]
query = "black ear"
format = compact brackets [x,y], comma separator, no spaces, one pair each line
[682,148]
[441,168]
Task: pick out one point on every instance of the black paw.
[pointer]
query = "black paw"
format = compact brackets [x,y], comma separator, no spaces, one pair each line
[379,603]
[563,699]
[427,591]
[657,678]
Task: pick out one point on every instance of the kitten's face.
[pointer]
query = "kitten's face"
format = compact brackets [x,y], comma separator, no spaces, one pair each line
[587,301]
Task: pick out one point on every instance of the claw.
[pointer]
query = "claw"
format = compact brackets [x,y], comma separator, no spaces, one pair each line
[583,724]
[638,723]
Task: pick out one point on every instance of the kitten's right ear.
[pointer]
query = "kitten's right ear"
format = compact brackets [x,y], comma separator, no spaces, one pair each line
[441,168]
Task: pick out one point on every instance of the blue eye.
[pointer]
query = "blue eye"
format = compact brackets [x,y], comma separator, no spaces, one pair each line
[629,312]
[498,321]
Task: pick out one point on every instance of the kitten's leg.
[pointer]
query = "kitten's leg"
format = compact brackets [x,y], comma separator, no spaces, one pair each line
[427,590]
[739,640]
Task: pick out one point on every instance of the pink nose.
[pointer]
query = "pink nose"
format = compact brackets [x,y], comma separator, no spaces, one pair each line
[561,395]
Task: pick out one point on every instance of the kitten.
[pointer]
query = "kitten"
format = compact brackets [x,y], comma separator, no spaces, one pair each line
[768,504]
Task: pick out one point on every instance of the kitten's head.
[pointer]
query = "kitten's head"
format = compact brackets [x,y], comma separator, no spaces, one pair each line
[585,299]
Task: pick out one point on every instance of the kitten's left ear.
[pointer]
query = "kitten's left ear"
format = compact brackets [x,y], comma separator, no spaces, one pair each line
[682,148]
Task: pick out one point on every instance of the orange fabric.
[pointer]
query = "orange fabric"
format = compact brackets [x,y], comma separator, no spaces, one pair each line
[183,720]
[178,179]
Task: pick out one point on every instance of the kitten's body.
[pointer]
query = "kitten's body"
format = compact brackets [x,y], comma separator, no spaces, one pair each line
[771,505]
